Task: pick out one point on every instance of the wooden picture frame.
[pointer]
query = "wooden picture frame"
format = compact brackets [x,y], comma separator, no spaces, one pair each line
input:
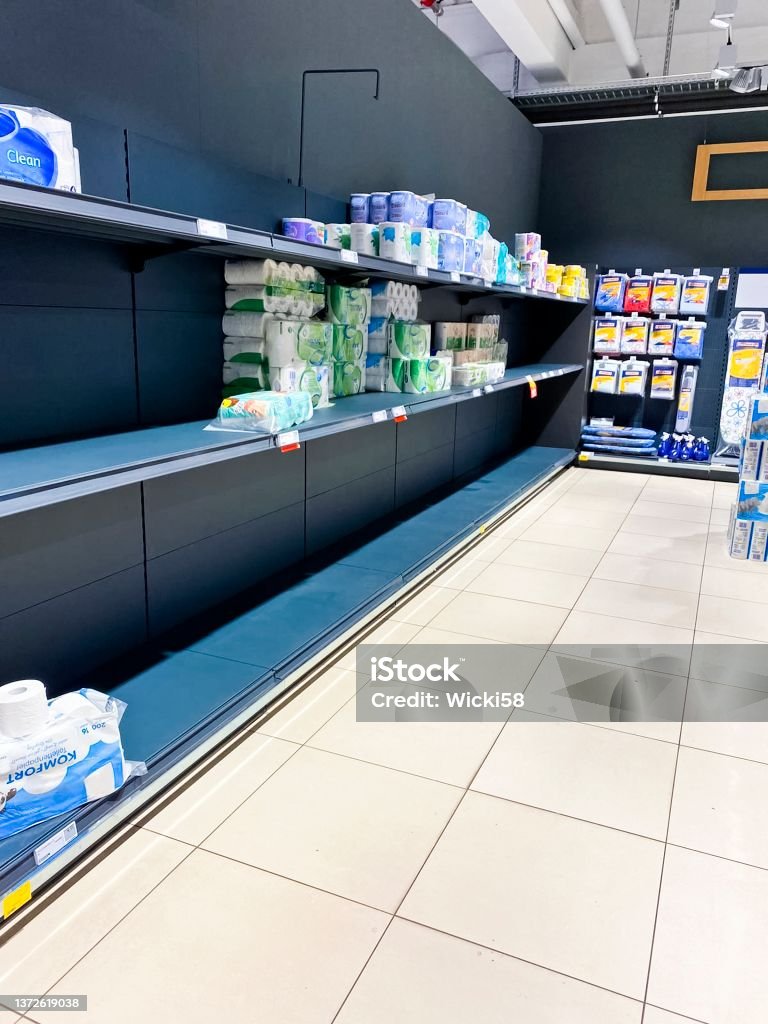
[702,194]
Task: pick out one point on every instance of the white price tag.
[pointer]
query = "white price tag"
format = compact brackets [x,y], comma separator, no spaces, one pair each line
[477,393]
[487,282]
[379,416]
[456,277]
[399,415]
[421,271]
[289,441]
[488,389]
[57,842]
[348,256]
[211,228]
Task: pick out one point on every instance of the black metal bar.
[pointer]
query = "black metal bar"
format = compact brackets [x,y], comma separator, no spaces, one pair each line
[326,71]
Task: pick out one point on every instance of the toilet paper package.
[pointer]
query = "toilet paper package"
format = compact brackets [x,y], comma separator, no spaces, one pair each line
[473,257]
[350,306]
[36,149]
[376,371]
[348,377]
[364,238]
[422,376]
[450,336]
[407,208]
[243,378]
[424,247]
[449,215]
[378,336]
[303,229]
[72,757]
[359,207]
[450,251]
[472,375]
[350,344]
[247,325]
[337,236]
[312,379]
[527,245]
[395,241]
[263,412]
[291,341]
[408,340]
[395,375]
[378,207]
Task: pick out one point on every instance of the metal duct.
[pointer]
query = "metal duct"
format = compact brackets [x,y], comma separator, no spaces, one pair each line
[618,22]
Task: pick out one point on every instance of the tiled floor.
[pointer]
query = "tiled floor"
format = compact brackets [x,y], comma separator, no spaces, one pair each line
[544,871]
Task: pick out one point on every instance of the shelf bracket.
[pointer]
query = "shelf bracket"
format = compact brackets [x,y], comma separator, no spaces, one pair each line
[139,256]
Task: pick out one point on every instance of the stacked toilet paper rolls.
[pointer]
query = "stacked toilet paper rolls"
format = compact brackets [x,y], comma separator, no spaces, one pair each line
[450,336]
[424,247]
[394,298]
[350,344]
[337,236]
[303,376]
[348,378]
[378,334]
[395,241]
[267,286]
[350,306]
[408,340]
[303,341]
[364,238]
[247,325]
[23,709]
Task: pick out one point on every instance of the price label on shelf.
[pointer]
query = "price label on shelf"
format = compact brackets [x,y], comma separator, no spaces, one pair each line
[57,842]
[399,415]
[487,282]
[348,256]
[532,386]
[456,277]
[421,271]
[211,228]
[289,441]
[477,393]
[488,389]
[379,416]
[583,457]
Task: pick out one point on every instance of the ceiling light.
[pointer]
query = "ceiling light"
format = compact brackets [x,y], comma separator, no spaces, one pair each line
[724,13]
[726,62]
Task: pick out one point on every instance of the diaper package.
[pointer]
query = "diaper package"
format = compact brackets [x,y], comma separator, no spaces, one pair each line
[72,755]
[36,149]
[263,412]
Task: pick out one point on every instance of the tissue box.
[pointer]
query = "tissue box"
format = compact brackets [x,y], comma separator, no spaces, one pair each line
[36,149]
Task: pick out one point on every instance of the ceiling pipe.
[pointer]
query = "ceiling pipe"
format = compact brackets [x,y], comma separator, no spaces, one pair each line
[565,16]
[618,22]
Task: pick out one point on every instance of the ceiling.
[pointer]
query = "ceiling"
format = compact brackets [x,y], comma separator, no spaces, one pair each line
[570,42]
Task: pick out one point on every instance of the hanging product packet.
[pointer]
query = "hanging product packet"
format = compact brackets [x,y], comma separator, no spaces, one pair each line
[609,294]
[607,339]
[695,294]
[666,293]
[638,294]
[661,338]
[634,335]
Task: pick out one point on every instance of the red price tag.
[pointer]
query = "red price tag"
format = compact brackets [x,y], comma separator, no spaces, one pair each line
[399,414]
[532,387]
[289,441]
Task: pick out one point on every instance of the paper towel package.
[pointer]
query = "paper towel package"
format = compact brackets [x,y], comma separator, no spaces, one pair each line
[36,148]
[409,341]
[57,755]
[312,379]
[263,412]
[290,341]
[350,306]
[349,343]
[349,378]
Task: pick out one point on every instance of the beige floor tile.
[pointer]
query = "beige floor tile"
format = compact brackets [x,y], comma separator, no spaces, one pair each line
[653,1015]
[748,619]
[638,603]
[649,572]
[600,775]
[718,658]
[725,494]
[491,547]
[578,898]
[726,720]
[645,645]
[635,700]
[50,944]
[554,557]
[605,501]
[599,519]
[449,752]
[514,526]
[444,980]
[524,584]
[717,553]
[610,483]
[672,528]
[462,572]
[735,585]
[345,826]
[497,618]
[680,549]
[671,512]
[721,806]
[711,940]
[420,610]
[199,808]
[391,633]
[430,635]
[185,953]
[571,536]
[308,710]
[720,516]
[678,491]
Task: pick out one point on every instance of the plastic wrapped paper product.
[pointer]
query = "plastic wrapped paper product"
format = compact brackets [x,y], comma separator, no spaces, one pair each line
[57,755]
[424,247]
[634,335]
[337,236]
[689,339]
[409,341]
[450,251]
[348,377]
[661,338]
[637,296]
[290,341]
[666,293]
[315,380]
[471,375]
[450,336]
[350,306]
[527,245]
[263,412]
[449,215]
[304,230]
[607,335]
[605,375]
[378,207]
[36,149]
[421,376]
[350,344]
[664,378]
[364,239]
[395,241]
[695,294]
[609,295]
[359,207]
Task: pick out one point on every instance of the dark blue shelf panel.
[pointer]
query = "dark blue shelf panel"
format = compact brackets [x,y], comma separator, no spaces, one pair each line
[34,477]
[181,694]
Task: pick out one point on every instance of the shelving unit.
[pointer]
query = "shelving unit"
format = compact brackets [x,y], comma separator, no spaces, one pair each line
[212,567]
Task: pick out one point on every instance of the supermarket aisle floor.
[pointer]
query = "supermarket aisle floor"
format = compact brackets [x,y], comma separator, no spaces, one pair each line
[326,870]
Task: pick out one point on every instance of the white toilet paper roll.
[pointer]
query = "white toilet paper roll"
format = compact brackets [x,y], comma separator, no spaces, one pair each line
[364,238]
[247,325]
[395,241]
[250,271]
[23,708]
[100,783]
[44,782]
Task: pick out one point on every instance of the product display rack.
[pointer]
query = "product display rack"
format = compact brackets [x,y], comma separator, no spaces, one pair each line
[199,574]
[659,414]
